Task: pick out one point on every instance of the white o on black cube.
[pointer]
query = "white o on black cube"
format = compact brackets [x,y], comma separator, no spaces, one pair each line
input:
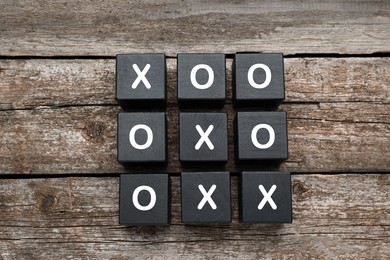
[141,80]
[144,199]
[203,137]
[265,197]
[201,79]
[205,197]
[258,79]
[261,136]
[141,137]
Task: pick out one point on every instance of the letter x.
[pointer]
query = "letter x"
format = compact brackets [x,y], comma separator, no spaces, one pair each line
[267,197]
[207,197]
[204,137]
[141,76]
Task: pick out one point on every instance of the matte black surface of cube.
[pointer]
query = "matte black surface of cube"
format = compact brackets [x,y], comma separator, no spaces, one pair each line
[201,79]
[203,137]
[141,137]
[205,197]
[258,79]
[144,199]
[271,203]
[254,132]
[141,80]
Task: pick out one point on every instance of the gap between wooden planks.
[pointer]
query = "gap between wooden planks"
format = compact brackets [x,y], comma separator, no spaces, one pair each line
[59,116]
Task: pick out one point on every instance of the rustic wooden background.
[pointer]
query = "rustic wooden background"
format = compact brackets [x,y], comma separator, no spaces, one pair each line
[59,177]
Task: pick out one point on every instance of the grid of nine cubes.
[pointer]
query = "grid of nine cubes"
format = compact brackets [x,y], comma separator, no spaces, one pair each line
[258,81]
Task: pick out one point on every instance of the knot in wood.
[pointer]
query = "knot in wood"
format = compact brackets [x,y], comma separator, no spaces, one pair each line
[146,231]
[47,202]
[299,189]
[94,131]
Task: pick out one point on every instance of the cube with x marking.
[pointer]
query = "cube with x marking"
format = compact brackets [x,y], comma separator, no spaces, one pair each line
[265,197]
[141,80]
[205,197]
[203,137]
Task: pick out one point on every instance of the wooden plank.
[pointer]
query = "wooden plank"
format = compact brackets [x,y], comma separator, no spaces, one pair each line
[345,215]
[337,107]
[26,84]
[338,80]
[106,28]
[331,137]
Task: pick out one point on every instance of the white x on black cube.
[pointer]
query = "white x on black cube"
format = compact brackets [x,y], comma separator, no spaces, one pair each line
[141,137]
[203,137]
[141,80]
[201,79]
[205,197]
[144,199]
[265,197]
[261,136]
[258,78]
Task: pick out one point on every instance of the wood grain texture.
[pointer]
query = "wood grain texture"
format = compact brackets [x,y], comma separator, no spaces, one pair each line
[334,216]
[26,84]
[107,28]
[59,116]
[321,138]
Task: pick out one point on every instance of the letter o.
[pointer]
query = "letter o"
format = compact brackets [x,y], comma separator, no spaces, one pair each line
[152,198]
[268,76]
[271,136]
[193,76]
[149,139]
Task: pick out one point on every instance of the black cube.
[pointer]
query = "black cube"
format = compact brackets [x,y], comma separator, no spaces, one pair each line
[258,79]
[201,79]
[205,197]
[141,80]
[203,137]
[141,138]
[144,199]
[265,197]
[261,136]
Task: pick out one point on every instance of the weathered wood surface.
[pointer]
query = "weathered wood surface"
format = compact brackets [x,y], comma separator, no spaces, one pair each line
[109,27]
[26,84]
[59,116]
[335,216]
[83,140]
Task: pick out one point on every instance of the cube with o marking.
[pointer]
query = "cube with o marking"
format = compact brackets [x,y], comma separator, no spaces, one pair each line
[141,137]
[265,197]
[141,80]
[203,137]
[144,199]
[205,197]
[201,79]
[258,78]
[261,136]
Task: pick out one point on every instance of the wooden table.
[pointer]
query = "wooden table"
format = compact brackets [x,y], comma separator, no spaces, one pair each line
[58,117]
